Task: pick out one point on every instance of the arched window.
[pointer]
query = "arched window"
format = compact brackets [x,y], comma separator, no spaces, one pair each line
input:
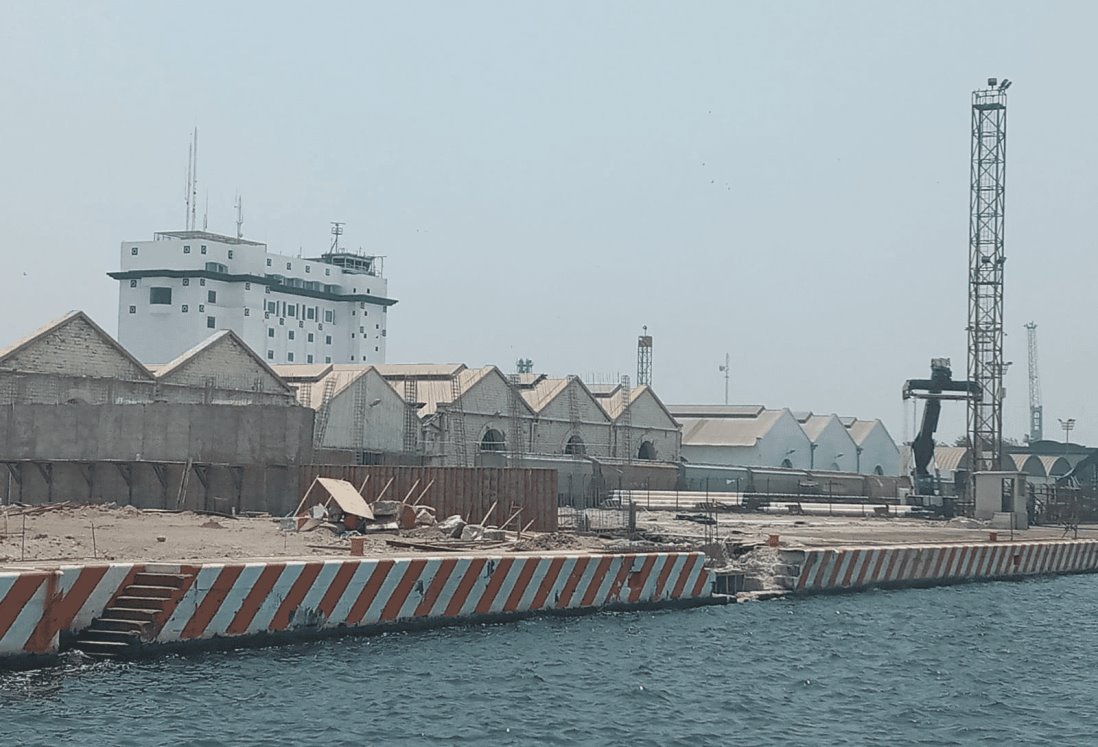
[786,464]
[835,467]
[575,446]
[878,470]
[493,440]
[647,451]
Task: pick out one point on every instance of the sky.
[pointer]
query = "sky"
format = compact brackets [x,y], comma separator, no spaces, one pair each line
[786,182]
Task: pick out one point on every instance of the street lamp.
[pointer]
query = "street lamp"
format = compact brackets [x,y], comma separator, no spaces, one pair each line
[1068,426]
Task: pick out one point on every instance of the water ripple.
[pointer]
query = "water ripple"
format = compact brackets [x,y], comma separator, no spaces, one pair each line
[1003,663]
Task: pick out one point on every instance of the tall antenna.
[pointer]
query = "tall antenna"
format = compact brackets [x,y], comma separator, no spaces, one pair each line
[187,187]
[727,370]
[1036,411]
[644,359]
[337,231]
[985,274]
[206,213]
[239,205]
[194,182]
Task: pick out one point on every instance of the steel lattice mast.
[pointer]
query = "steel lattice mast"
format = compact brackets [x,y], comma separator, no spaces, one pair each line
[985,275]
[1036,411]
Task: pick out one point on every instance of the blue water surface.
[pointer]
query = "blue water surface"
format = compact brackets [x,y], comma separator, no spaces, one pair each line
[996,663]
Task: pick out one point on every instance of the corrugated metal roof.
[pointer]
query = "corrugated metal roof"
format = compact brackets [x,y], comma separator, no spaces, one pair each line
[302,371]
[715,411]
[802,416]
[1027,462]
[949,458]
[728,431]
[418,370]
[543,392]
[814,425]
[860,429]
[1055,465]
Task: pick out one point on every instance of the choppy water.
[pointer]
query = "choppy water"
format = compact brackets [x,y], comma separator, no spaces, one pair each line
[1001,663]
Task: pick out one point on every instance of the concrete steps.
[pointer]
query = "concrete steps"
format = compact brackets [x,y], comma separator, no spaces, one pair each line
[134,617]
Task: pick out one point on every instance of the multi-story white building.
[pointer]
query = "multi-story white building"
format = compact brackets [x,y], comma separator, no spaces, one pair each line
[179,288]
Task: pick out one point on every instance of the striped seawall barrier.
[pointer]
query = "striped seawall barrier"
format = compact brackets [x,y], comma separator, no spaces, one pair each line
[851,568]
[42,610]
[232,600]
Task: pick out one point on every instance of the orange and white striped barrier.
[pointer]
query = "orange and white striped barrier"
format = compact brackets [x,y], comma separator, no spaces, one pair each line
[39,608]
[255,598]
[849,568]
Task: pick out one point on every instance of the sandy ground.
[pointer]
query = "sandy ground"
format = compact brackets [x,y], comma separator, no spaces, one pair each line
[823,531]
[66,534]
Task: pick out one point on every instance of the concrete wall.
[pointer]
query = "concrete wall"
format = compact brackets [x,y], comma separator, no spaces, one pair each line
[382,423]
[852,568]
[223,434]
[554,423]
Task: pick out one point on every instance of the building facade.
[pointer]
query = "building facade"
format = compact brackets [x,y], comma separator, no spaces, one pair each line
[181,287]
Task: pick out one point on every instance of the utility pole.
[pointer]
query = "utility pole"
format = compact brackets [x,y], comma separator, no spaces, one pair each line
[726,369]
[1036,412]
[1068,426]
[985,275]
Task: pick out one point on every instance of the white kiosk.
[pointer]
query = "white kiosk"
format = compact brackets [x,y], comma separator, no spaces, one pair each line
[1001,499]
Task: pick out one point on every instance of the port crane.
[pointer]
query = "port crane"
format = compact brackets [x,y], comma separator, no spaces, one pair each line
[938,388]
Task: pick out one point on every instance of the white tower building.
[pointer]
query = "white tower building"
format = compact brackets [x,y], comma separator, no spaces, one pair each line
[181,287]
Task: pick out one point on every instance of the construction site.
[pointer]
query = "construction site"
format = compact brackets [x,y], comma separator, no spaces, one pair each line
[354,496]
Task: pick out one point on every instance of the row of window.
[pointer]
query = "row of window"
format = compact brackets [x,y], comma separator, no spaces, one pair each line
[163,296]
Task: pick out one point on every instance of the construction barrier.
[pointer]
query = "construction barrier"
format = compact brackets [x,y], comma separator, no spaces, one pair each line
[851,568]
[231,600]
[26,628]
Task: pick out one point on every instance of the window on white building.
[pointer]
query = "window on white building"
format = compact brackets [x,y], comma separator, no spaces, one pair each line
[327,359]
[290,357]
[133,283]
[291,334]
[247,312]
[268,261]
[310,338]
[203,248]
[308,359]
[133,309]
[230,254]
[160,296]
[211,296]
[211,322]
[270,332]
[186,249]
[327,339]
[184,308]
[247,286]
[291,309]
[270,355]
[133,251]
[186,282]
[329,315]
[308,269]
[201,308]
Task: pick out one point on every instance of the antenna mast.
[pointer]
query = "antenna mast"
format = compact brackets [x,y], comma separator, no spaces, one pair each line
[193,197]
[1036,411]
[187,187]
[985,275]
[239,205]
[644,359]
[337,231]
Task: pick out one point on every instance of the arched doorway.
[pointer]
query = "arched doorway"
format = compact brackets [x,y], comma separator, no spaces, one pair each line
[878,470]
[647,451]
[493,440]
[786,464]
[575,446]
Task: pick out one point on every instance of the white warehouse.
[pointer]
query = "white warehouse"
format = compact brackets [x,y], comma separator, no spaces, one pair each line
[177,289]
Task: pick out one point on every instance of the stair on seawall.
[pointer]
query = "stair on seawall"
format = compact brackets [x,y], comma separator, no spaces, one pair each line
[135,616]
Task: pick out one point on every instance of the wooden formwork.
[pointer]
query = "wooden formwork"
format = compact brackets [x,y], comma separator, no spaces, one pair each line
[472,492]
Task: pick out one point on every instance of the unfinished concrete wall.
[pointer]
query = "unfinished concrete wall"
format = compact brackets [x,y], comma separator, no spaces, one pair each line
[225,434]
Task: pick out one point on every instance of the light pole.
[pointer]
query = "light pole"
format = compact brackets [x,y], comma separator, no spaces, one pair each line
[838,467]
[726,369]
[1068,426]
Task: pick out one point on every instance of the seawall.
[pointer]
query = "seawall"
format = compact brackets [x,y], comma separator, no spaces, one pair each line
[184,605]
[815,570]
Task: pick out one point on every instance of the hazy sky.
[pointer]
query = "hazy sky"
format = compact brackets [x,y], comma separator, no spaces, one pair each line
[787,182]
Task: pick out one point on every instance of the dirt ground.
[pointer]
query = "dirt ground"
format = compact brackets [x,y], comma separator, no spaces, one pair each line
[96,532]
[823,531]
[104,532]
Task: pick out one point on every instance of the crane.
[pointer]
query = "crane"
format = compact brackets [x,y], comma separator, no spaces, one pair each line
[938,387]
